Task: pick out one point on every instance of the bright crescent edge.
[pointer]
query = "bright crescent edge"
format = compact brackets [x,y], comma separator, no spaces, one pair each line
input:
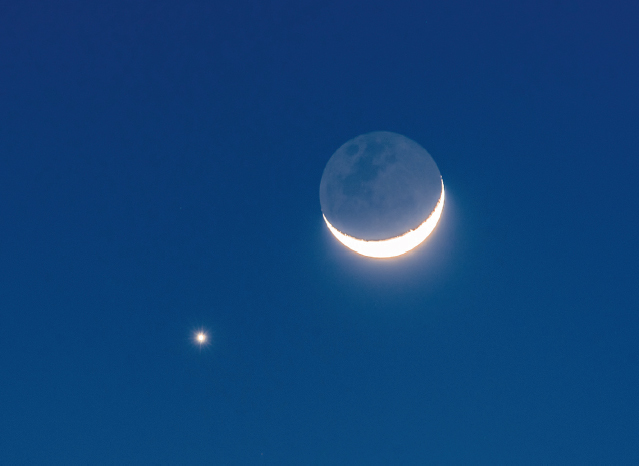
[392,247]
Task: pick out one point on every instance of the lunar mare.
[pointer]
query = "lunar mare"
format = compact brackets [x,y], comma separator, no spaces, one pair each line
[393,247]
[381,194]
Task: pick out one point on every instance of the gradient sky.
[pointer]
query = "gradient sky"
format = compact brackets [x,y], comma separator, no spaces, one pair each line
[159,173]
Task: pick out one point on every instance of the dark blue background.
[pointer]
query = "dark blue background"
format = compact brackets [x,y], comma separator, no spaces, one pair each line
[159,172]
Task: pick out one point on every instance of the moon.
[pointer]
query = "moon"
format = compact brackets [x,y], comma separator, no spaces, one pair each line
[381,194]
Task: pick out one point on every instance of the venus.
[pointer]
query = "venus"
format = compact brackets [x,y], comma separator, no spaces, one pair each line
[201,338]
[381,194]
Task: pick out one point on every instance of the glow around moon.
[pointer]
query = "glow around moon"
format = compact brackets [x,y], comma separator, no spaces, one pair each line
[393,247]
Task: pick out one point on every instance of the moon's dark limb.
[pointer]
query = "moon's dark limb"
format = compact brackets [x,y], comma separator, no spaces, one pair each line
[379,185]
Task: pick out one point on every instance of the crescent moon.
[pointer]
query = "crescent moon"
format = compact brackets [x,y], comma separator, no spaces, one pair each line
[392,247]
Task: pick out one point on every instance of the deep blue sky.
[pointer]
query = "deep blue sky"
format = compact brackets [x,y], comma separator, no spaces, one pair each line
[159,172]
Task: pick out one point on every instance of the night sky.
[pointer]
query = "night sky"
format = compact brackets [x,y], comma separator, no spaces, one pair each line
[159,173]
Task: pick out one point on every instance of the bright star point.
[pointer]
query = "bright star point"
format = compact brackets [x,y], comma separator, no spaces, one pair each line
[201,338]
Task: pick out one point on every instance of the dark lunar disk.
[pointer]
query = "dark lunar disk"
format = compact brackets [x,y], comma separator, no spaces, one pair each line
[379,185]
